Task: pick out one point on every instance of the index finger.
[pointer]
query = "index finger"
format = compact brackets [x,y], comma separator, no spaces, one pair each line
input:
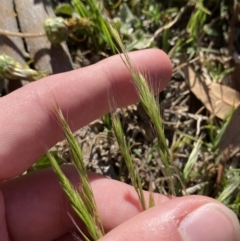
[27,118]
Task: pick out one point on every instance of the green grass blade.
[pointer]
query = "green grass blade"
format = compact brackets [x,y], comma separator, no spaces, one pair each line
[191,160]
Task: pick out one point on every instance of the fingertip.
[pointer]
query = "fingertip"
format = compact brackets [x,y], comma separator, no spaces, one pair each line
[159,69]
[158,64]
[201,223]
[165,66]
[194,218]
[154,64]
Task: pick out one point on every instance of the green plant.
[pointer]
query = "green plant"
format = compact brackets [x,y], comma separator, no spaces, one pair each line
[82,200]
[201,155]
[11,69]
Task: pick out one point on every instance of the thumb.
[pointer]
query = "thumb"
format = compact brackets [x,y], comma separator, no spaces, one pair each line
[190,218]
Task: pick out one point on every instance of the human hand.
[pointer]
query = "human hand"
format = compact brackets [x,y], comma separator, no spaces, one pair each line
[34,207]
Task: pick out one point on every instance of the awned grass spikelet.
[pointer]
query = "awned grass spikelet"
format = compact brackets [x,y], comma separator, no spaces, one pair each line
[148,101]
[135,178]
[102,36]
[82,200]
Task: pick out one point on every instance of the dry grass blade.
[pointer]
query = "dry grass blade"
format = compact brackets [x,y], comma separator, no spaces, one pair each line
[21,35]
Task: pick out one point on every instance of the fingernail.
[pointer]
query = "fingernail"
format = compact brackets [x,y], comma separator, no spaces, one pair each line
[211,222]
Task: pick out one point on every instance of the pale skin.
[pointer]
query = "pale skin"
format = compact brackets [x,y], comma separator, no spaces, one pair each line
[34,207]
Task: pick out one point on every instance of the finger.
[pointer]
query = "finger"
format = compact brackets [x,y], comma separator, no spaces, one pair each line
[83,95]
[37,209]
[191,218]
